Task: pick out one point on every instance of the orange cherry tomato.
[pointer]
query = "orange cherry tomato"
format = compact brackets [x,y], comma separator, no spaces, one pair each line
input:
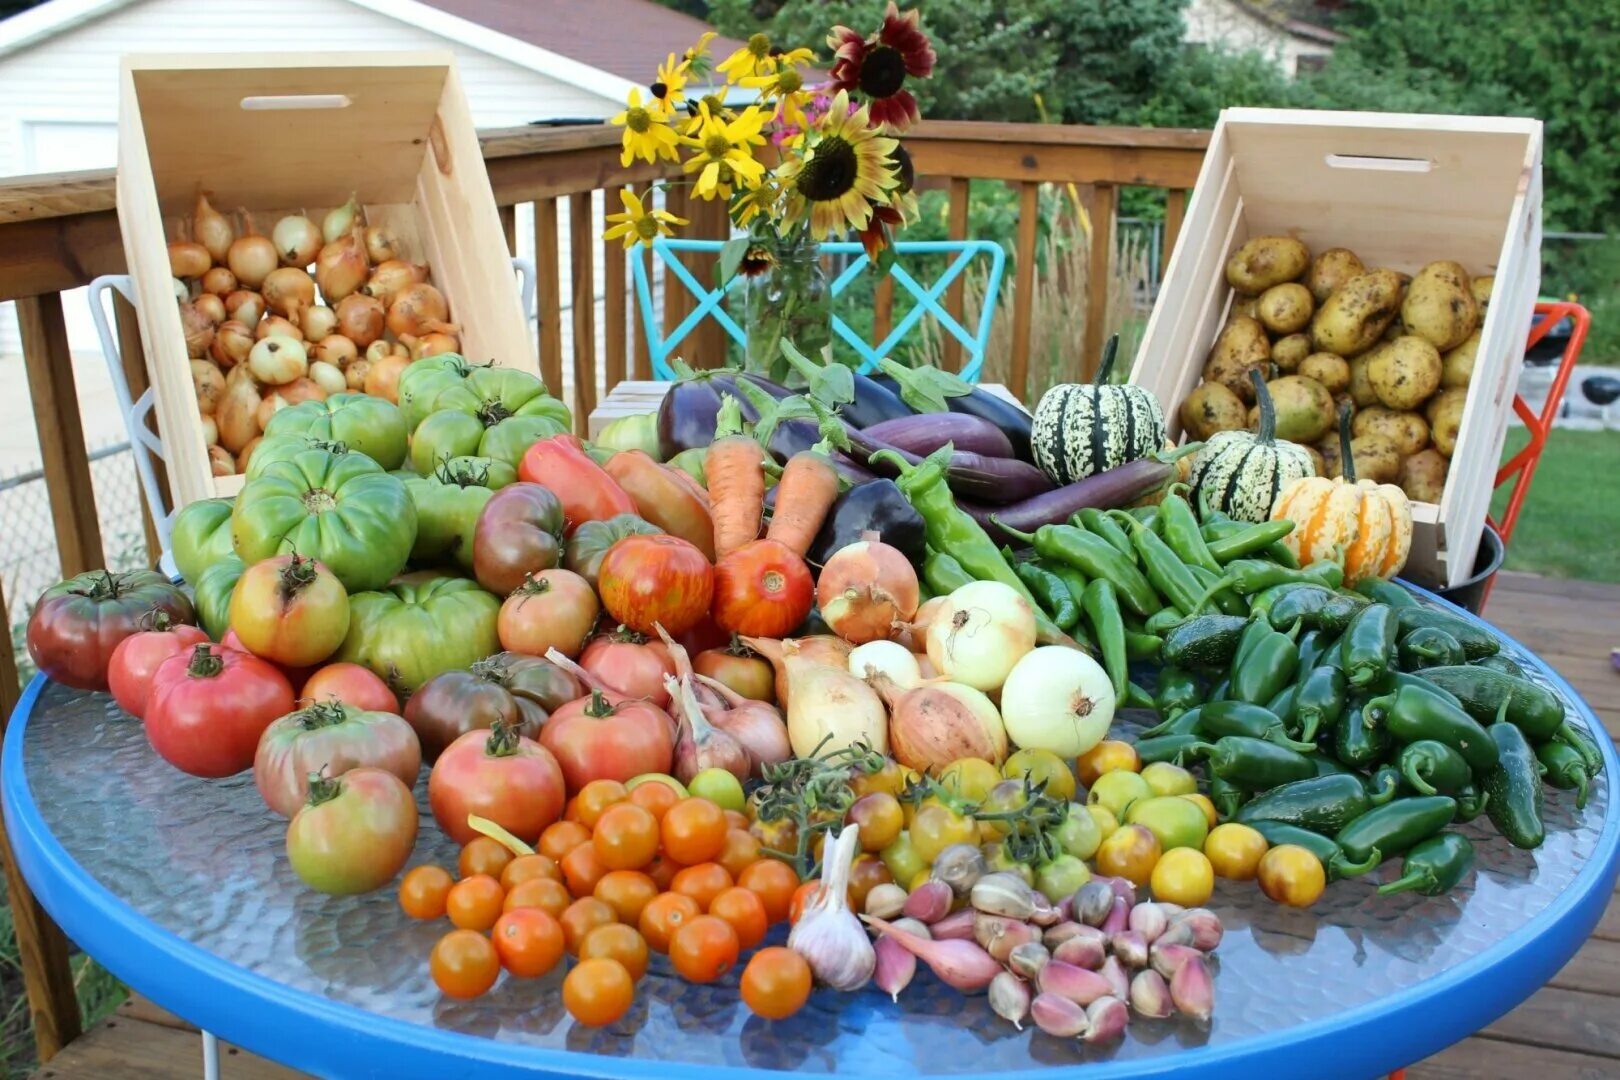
[662,870]
[528,941]
[801,898]
[704,949]
[422,892]
[702,882]
[866,873]
[598,991]
[571,810]
[616,942]
[694,831]
[528,868]
[655,798]
[626,892]
[597,796]
[741,851]
[464,964]
[543,893]
[484,855]
[774,882]
[776,983]
[745,911]
[581,917]
[663,915]
[736,819]
[582,868]
[474,903]
[626,836]
[561,837]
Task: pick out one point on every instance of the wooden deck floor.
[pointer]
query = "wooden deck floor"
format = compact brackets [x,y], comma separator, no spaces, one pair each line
[1570,1029]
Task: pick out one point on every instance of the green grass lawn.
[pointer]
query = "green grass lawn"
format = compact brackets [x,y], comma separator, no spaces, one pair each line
[1569,521]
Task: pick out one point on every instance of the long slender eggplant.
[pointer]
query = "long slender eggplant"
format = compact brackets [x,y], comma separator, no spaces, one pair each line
[687,414]
[927,432]
[1105,490]
[922,384]
[975,476]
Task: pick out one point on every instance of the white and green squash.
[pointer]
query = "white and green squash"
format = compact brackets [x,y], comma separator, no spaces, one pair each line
[1240,473]
[1081,429]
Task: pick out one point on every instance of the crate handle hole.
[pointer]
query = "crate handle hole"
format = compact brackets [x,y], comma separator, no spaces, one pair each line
[275,102]
[1380,164]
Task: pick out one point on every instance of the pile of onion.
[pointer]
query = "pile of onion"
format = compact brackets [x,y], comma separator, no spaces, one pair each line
[865,589]
[938,722]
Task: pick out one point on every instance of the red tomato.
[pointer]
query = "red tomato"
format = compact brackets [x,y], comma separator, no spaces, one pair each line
[136,660]
[587,493]
[746,672]
[290,610]
[553,609]
[630,664]
[647,581]
[209,707]
[296,677]
[763,589]
[355,832]
[499,775]
[352,685]
[606,737]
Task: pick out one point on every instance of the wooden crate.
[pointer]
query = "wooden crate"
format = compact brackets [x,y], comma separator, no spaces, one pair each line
[299,133]
[1400,191]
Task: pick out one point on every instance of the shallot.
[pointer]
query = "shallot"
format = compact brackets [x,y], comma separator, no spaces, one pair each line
[958,924]
[928,902]
[828,935]
[754,724]
[983,630]
[211,229]
[699,745]
[958,963]
[895,967]
[865,588]
[937,723]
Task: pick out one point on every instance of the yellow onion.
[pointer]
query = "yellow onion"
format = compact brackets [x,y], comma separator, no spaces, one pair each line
[251,257]
[237,413]
[381,244]
[382,377]
[379,350]
[390,278]
[219,281]
[187,259]
[340,268]
[269,405]
[419,309]
[335,349]
[245,306]
[300,390]
[355,372]
[232,342]
[827,707]
[317,321]
[982,631]
[297,240]
[434,345]
[211,306]
[276,326]
[937,723]
[865,588]
[288,290]
[277,360]
[209,385]
[329,377]
[211,229]
[220,462]
[340,221]
[360,319]
[246,455]
[210,431]
[198,328]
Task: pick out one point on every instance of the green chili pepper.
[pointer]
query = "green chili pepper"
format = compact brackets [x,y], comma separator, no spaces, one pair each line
[1431,767]
[1514,787]
[1283,705]
[1102,610]
[1395,680]
[1533,708]
[1167,573]
[1163,621]
[1248,540]
[1184,724]
[1313,644]
[1477,640]
[1319,702]
[1397,826]
[1142,646]
[1367,645]
[1581,743]
[1178,525]
[1100,524]
[1471,802]
[943,573]
[1175,749]
[1255,764]
[1147,515]
[1412,713]
[1228,798]
[1328,765]
[1429,646]
[1220,691]
[1323,804]
[1317,607]
[1332,857]
[1209,515]
[1203,641]
[1227,601]
[1248,576]
[1358,745]
[1096,558]
[1072,578]
[1566,769]
[1224,718]
[1383,785]
[1137,697]
[1501,662]
[1050,593]
[1386,592]
[1177,691]
[1277,551]
[1261,603]
[1434,866]
[1259,674]
[1253,634]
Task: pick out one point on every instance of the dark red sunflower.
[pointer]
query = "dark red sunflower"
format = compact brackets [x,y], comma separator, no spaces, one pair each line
[878,66]
[879,231]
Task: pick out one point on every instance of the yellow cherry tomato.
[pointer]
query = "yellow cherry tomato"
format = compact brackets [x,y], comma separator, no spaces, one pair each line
[937,827]
[1107,823]
[1106,756]
[902,859]
[1235,850]
[1183,876]
[1117,790]
[890,779]
[919,879]
[971,778]
[1131,853]
[1291,875]
[1200,800]
[1042,766]
[1167,779]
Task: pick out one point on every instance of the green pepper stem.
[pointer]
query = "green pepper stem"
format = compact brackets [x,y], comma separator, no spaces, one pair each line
[1408,883]
[1280,737]
[1024,537]
[1343,867]
[1419,783]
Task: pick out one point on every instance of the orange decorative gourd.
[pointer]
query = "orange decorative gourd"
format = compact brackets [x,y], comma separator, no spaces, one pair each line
[1371,523]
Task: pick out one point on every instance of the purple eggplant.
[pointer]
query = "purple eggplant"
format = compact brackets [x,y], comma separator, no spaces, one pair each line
[927,432]
[1105,490]
[928,389]
[972,476]
[861,401]
[686,415]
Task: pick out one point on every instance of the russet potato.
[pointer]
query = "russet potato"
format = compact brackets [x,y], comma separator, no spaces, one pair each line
[1211,407]
[1423,476]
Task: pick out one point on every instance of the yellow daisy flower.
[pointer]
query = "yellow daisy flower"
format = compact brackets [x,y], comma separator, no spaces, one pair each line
[786,88]
[846,169]
[716,105]
[722,145]
[647,133]
[697,59]
[638,225]
[669,87]
[754,58]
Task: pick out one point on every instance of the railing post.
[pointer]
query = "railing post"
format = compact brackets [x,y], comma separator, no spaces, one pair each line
[1175,212]
[581,249]
[957,226]
[547,272]
[1102,257]
[613,308]
[1024,287]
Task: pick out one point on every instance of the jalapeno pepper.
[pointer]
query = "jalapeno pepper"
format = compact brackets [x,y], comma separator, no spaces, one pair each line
[1386,592]
[1050,593]
[1434,866]
[1282,704]
[1137,697]
[1167,573]
[1367,645]
[1203,641]
[1253,634]
[1581,743]
[1142,646]
[1248,540]
[1514,787]
[1312,645]
[1096,558]
[1100,524]
[1255,764]
[1383,785]
[943,573]
[1223,718]
[1358,745]
[1268,667]
[1227,798]
[1220,691]
[1328,765]
[1317,607]
[1163,621]
[1319,701]
[1323,804]
[1427,647]
[1177,691]
[1471,802]
[1176,749]
[1431,767]
[1412,713]
[1178,525]
[1248,576]
[1102,611]
[1566,769]
[1476,640]
[1534,709]
[1278,552]
[1261,603]
[1332,857]
[1398,679]
[1184,724]
[1501,662]
[1397,826]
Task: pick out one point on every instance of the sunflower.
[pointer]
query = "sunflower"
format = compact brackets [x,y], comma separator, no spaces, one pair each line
[843,172]
[724,151]
[647,133]
[637,224]
[669,87]
[878,66]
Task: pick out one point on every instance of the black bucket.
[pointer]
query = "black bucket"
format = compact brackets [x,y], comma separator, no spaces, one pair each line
[1470,593]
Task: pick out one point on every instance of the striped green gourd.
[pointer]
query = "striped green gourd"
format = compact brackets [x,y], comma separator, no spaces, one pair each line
[1241,472]
[1084,428]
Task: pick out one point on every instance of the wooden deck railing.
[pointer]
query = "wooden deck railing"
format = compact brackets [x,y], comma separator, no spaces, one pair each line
[59,232]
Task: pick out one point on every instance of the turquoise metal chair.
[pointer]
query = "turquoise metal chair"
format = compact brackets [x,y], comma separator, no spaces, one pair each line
[928,299]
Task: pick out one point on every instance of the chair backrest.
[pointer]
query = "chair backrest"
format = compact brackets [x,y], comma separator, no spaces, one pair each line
[928,298]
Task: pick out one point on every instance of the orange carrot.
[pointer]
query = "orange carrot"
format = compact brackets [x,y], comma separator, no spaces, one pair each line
[734,468]
[807,490]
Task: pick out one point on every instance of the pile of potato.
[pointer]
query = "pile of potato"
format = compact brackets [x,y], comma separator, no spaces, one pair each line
[1326,332]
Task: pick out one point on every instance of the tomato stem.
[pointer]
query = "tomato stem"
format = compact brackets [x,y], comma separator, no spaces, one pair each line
[205,663]
[322,714]
[503,740]
[156,619]
[626,635]
[323,788]
[297,576]
[600,707]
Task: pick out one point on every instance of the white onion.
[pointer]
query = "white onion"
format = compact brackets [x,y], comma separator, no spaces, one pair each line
[888,658]
[278,359]
[328,377]
[983,629]
[1058,699]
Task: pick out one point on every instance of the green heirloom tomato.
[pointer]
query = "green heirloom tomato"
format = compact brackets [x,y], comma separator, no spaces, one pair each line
[369,425]
[450,433]
[341,509]
[201,537]
[690,462]
[448,504]
[214,587]
[419,626]
[508,440]
[491,394]
[274,448]
[638,432]
[422,382]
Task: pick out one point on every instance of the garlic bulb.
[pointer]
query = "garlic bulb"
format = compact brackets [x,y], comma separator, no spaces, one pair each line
[828,935]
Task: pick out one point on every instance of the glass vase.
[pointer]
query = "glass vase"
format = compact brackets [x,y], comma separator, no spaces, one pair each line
[789,300]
